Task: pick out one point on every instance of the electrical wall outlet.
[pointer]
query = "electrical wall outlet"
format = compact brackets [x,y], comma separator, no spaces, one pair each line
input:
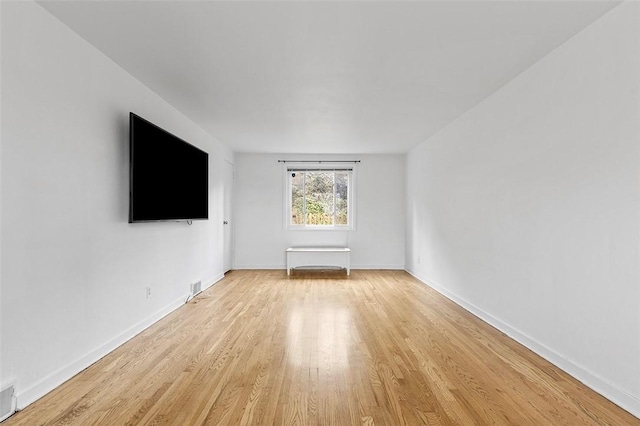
[148,292]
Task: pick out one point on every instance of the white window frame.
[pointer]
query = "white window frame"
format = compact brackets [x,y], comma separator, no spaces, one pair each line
[351,196]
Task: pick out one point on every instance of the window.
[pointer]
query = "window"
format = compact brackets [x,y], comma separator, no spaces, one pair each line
[320,198]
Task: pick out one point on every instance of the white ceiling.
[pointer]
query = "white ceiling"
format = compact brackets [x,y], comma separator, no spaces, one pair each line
[325,76]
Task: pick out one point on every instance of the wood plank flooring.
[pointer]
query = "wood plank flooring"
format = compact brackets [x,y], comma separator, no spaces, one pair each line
[377,348]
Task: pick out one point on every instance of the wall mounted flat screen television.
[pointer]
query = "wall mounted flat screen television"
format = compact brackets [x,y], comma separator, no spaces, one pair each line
[169,178]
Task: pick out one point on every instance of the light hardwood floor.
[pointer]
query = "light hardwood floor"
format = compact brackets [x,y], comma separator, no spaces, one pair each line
[319,348]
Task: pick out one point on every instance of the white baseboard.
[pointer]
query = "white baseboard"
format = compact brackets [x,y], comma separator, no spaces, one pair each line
[389,266]
[60,376]
[252,267]
[283,266]
[212,281]
[610,391]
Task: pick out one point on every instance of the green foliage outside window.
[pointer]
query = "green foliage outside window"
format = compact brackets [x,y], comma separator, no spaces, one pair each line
[319,198]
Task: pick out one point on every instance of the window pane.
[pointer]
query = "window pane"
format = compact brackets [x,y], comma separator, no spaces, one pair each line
[342,198]
[297,198]
[319,198]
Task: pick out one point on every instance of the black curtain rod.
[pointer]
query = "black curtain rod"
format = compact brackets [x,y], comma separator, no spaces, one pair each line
[318,161]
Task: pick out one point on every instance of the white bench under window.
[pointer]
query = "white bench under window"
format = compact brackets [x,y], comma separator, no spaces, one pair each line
[318,256]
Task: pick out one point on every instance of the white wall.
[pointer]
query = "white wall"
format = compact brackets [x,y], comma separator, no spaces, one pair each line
[74,271]
[2,383]
[526,209]
[260,235]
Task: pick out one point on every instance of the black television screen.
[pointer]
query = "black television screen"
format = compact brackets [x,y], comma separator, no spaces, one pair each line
[169,178]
